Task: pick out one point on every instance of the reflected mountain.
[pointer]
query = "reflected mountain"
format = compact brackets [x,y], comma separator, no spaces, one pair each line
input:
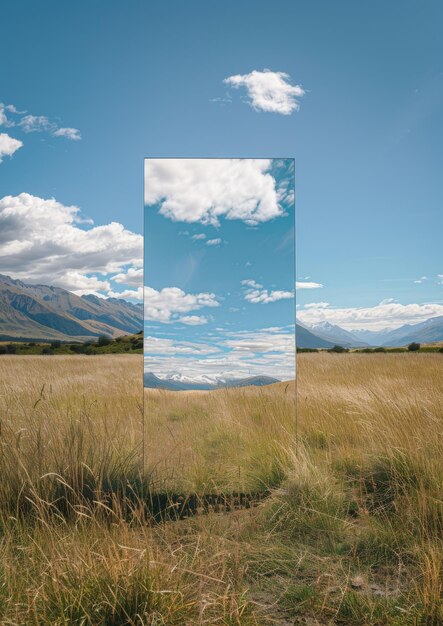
[152,381]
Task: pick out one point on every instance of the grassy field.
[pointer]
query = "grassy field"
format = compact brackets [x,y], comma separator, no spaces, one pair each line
[351,532]
[219,441]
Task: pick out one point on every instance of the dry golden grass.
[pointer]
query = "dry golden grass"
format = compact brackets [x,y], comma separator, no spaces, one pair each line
[351,533]
[219,441]
[74,419]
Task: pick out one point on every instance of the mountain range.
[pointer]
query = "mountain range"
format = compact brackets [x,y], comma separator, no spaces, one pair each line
[153,382]
[429,331]
[336,335]
[306,338]
[41,312]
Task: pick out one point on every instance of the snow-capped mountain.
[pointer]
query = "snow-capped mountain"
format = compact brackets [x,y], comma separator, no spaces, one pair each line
[337,335]
[306,338]
[202,379]
[429,331]
[154,382]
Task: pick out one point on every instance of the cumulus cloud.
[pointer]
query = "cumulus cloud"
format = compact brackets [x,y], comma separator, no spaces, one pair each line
[132,277]
[198,236]
[257,294]
[204,190]
[82,284]
[269,91]
[267,351]
[307,285]
[43,240]
[193,320]
[8,145]
[167,304]
[127,294]
[387,314]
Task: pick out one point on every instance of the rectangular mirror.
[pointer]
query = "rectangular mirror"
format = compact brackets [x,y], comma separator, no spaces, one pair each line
[219,321]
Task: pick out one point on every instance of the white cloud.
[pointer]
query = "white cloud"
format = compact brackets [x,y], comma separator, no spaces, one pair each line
[41,123]
[307,285]
[199,236]
[41,240]
[257,294]
[264,340]
[133,277]
[204,190]
[193,320]
[161,345]
[8,145]
[166,305]
[249,282]
[420,280]
[317,305]
[12,109]
[3,118]
[81,284]
[214,242]
[269,91]
[132,294]
[267,351]
[387,301]
[69,133]
[36,124]
[387,314]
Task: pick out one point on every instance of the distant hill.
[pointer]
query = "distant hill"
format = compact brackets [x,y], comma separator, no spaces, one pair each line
[41,312]
[153,382]
[123,344]
[429,331]
[255,381]
[371,337]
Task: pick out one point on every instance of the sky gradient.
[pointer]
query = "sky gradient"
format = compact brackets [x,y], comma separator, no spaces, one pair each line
[358,101]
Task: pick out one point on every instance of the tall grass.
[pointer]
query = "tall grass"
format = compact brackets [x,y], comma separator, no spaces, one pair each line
[222,441]
[70,427]
[350,534]
[364,491]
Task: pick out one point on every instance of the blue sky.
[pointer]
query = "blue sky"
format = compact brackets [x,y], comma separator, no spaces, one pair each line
[143,79]
[219,268]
